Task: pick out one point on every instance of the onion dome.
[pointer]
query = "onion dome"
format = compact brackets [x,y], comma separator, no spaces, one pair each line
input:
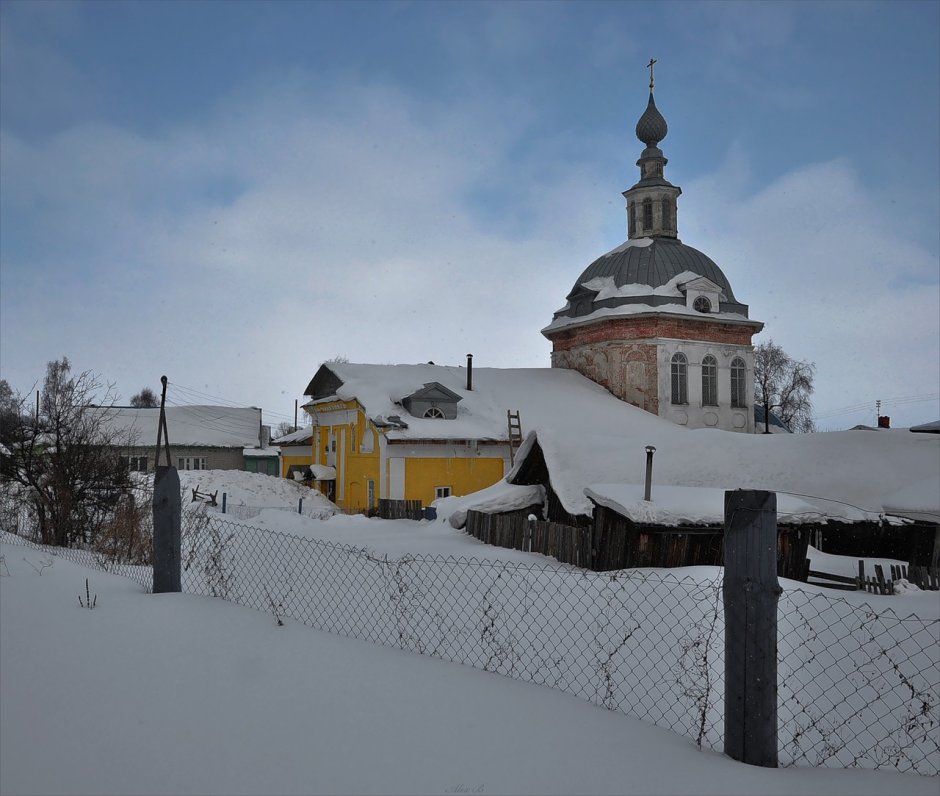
[652,128]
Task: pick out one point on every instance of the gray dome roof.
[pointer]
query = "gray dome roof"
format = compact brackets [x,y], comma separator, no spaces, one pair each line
[654,265]
[652,128]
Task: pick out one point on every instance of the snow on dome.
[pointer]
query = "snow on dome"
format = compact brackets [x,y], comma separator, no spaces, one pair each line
[625,310]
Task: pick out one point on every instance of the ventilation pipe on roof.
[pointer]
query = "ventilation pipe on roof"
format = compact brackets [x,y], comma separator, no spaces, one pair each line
[650,450]
[469,371]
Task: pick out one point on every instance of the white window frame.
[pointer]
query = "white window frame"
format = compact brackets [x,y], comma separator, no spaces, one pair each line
[679,379]
[191,463]
[442,492]
[738,383]
[709,380]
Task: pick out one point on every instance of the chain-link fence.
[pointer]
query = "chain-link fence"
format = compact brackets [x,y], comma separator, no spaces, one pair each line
[856,687]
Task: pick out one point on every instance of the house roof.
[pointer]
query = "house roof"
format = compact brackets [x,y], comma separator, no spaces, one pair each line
[849,474]
[192,426]
[545,397]
[928,428]
[700,505]
[298,437]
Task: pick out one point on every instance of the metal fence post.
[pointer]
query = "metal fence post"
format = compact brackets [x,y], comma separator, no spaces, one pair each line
[224,495]
[167,511]
[750,592]
[300,505]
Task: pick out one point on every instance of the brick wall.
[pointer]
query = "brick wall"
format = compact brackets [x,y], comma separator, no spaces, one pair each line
[644,328]
[628,370]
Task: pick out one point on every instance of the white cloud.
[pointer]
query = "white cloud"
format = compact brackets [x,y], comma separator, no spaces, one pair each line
[830,271]
[300,219]
[341,229]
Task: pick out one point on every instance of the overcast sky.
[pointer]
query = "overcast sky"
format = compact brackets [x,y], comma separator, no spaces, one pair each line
[231,193]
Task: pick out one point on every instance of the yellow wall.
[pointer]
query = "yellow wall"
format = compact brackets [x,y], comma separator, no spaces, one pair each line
[354,467]
[422,473]
[287,462]
[462,475]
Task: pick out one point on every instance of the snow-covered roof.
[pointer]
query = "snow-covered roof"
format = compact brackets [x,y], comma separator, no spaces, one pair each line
[298,437]
[590,437]
[545,397]
[699,505]
[929,428]
[192,426]
[323,472]
[847,474]
[261,452]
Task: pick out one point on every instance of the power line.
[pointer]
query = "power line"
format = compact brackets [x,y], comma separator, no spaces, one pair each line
[900,401]
[193,394]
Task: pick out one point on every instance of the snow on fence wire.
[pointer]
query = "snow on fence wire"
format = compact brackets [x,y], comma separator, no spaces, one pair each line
[857,687]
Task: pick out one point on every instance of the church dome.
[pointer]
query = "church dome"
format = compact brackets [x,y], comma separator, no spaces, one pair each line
[651,128]
[639,272]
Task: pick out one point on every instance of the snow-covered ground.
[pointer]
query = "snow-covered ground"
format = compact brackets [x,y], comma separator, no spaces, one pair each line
[252,492]
[166,694]
[187,694]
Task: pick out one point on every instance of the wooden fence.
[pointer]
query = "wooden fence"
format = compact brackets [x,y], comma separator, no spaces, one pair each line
[400,509]
[925,578]
[616,543]
[565,543]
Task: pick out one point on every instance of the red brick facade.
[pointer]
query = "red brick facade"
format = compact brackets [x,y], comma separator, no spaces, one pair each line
[648,327]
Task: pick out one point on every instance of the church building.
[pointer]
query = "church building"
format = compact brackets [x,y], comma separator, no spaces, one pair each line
[654,320]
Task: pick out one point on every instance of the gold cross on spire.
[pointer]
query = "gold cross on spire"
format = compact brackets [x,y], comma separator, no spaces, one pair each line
[650,67]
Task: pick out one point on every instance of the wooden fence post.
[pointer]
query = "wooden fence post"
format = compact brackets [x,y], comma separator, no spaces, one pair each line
[167,511]
[750,593]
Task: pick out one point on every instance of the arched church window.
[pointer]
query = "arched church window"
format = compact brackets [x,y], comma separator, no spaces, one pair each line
[434,413]
[667,223]
[702,304]
[709,381]
[680,379]
[632,218]
[647,215]
[738,383]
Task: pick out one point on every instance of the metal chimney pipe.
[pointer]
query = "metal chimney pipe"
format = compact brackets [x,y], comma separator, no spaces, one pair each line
[650,450]
[469,371]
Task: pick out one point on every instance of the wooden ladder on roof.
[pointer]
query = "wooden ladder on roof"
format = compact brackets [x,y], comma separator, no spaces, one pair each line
[515,434]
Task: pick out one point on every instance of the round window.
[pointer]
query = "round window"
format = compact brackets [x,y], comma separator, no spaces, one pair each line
[702,304]
[435,413]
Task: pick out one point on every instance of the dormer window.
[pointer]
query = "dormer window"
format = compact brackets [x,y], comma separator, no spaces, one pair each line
[433,401]
[702,304]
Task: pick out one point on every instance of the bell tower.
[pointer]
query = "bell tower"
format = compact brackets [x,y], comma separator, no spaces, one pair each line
[652,202]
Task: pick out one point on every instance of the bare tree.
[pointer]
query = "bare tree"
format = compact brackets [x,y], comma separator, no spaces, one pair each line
[67,457]
[145,399]
[284,428]
[784,385]
[9,410]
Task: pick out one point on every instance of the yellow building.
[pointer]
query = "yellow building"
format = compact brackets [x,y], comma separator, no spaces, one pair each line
[406,432]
